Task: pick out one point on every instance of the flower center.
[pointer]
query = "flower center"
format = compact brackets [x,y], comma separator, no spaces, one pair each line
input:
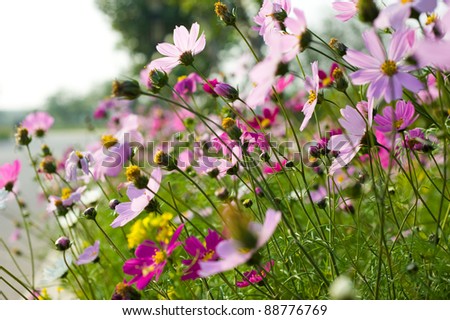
[79,154]
[431,18]
[208,255]
[108,140]
[398,123]
[265,123]
[406,1]
[312,96]
[133,173]
[186,58]
[159,257]
[326,82]
[65,193]
[389,68]
[146,270]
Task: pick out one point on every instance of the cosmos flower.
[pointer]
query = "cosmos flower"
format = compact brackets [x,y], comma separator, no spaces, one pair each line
[66,200]
[9,173]
[186,45]
[77,160]
[398,119]
[90,254]
[151,258]
[396,14]
[266,120]
[38,123]
[186,85]
[386,74]
[140,199]
[200,252]
[270,16]
[233,252]
[312,85]
[347,10]
[254,276]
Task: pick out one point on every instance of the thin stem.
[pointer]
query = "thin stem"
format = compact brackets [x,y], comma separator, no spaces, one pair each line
[110,242]
[74,275]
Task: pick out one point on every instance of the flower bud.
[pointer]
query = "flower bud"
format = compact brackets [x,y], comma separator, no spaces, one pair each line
[62,243]
[305,40]
[157,80]
[113,204]
[226,91]
[135,176]
[128,89]
[22,137]
[368,11]
[339,47]
[230,127]
[247,203]
[90,213]
[48,165]
[213,172]
[339,80]
[222,193]
[45,150]
[224,14]
[164,159]
[124,291]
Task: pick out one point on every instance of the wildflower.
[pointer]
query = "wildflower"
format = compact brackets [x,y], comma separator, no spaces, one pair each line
[90,213]
[234,252]
[312,85]
[77,160]
[386,74]
[128,89]
[326,80]
[154,226]
[396,120]
[9,173]
[140,200]
[62,243]
[38,123]
[349,143]
[151,258]
[254,276]
[347,10]
[299,37]
[276,168]
[22,136]
[226,91]
[124,291]
[48,165]
[396,14]
[90,254]
[187,85]
[432,92]
[224,14]
[111,157]
[416,140]
[200,252]
[271,16]
[266,120]
[66,200]
[187,44]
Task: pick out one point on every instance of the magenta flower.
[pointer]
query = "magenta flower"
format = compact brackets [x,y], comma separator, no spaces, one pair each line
[312,85]
[200,252]
[151,258]
[90,254]
[386,74]
[186,45]
[349,143]
[9,173]
[266,120]
[38,123]
[266,19]
[347,10]
[326,80]
[396,120]
[254,276]
[77,160]
[187,85]
[140,199]
[276,168]
[209,87]
[233,253]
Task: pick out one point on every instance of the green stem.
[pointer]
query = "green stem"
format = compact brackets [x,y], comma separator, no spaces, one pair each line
[110,242]
[74,275]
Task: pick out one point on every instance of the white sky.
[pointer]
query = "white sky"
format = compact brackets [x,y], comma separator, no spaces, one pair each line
[48,45]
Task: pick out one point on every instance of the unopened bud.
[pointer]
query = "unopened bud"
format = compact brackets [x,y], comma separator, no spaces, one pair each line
[163,159]
[90,213]
[22,137]
[48,165]
[226,91]
[157,80]
[247,203]
[224,14]
[222,194]
[339,47]
[368,11]
[128,89]
[62,243]
[113,204]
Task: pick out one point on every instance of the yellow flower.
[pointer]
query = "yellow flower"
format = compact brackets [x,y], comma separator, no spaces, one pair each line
[153,227]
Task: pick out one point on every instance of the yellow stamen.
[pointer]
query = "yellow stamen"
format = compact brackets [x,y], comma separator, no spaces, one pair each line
[326,82]
[79,154]
[208,255]
[406,1]
[220,9]
[265,123]
[431,18]
[108,140]
[159,257]
[398,123]
[133,173]
[181,78]
[228,123]
[389,68]
[312,96]
[65,193]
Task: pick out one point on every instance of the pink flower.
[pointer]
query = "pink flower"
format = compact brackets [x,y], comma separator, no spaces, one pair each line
[186,86]
[396,120]
[9,174]
[38,123]
[293,41]
[90,254]
[270,14]
[233,253]
[349,143]
[276,168]
[67,199]
[254,276]
[77,160]
[396,14]
[200,252]
[312,86]
[326,80]
[432,92]
[151,258]
[266,120]
[140,199]
[347,10]
[386,74]
[186,45]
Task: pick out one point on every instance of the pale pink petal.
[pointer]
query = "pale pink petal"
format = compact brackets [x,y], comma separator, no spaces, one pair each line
[181,38]
[361,60]
[271,222]
[199,44]
[374,45]
[364,76]
[193,35]
[168,49]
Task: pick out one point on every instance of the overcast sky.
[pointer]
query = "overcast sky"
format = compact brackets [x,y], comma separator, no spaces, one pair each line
[48,45]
